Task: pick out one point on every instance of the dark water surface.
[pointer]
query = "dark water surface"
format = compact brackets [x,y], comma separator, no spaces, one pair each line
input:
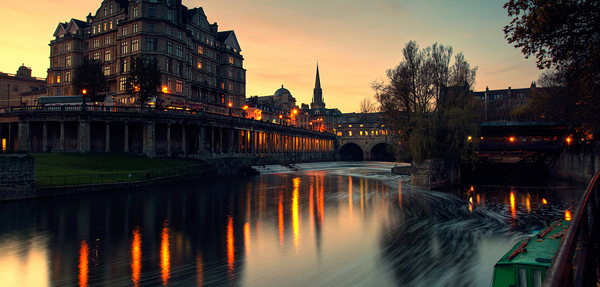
[329,224]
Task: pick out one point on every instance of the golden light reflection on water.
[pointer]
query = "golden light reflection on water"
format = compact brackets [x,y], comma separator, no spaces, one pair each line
[471,204]
[136,256]
[350,195]
[295,214]
[247,237]
[165,255]
[199,270]
[230,245]
[528,203]
[280,212]
[513,206]
[400,193]
[84,253]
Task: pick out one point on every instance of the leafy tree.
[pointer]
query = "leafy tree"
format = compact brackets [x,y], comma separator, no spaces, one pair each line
[564,36]
[144,81]
[88,77]
[430,102]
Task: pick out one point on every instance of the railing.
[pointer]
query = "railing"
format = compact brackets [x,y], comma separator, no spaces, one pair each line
[577,259]
[109,178]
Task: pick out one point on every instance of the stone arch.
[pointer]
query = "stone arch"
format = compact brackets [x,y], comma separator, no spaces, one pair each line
[351,152]
[382,152]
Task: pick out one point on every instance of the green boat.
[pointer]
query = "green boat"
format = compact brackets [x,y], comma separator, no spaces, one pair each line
[526,263]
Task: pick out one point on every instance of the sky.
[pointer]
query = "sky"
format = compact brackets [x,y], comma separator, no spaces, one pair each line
[354,42]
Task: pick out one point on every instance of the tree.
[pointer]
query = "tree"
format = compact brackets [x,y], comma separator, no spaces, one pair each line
[564,36]
[144,81]
[430,102]
[89,80]
[366,106]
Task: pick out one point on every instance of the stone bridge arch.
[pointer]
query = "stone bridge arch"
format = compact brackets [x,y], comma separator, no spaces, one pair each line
[382,152]
[351,152]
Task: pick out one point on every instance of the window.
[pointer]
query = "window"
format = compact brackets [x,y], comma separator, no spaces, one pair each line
[522,277]
[169,47]
[107,40]
[96,56]
[136,12]
[230,73]
[210,54]
[68,47]
[58,89]
[169,15]
[106,56]
[124,31]
[179,51]
[124,47]
[94,29]
[231,60]
[68,61]
[50,78]
[169,31]
[67,77]
[169,65]
[179,68]
[124,65]
[135,45]
[179,86]
[169,84]
[152,11]
[104,26]
[122,83]
[58,78]
[179,35]
[199,63]
[230,87]
[96,43]
[111,8]
[135,28]
[151,27]
[200,50]
[107,71]
[151,44]
[110,25]
[209,68]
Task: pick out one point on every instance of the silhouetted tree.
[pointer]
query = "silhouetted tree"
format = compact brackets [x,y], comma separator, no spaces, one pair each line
[564,36]
[366,106]
[144,81]
[430,102]
[88,76]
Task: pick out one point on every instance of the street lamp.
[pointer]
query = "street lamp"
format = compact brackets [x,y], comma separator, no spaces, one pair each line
[230,111]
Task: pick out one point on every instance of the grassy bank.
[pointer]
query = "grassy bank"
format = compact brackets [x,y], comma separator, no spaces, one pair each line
[76,164]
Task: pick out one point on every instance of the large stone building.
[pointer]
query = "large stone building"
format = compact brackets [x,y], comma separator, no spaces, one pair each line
[16,89]
[198,62]
[498,104]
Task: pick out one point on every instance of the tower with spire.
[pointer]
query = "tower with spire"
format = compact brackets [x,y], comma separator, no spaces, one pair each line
[317,101]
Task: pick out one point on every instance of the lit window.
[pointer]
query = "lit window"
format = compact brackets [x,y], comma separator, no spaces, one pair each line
[136,12]
[135,28]
[350,133]
[68,77]
[96,56]
[179,86]
[107,40]
[122,82]
[107,71]
[199,64]
[230,60]
[68,61]
[124,31]
[110,25]
[58,78]
[200,50]
[106,56]
[124,47]
[68,47]
[135,45]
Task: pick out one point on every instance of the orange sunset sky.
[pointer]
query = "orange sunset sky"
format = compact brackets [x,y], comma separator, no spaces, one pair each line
[354,41]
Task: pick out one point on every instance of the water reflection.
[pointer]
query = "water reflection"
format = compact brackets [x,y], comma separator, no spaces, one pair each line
[357,226]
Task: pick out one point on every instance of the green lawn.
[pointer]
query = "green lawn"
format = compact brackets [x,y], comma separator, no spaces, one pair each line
[78,164]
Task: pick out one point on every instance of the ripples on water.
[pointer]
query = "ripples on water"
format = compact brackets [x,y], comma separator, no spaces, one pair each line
[328,224]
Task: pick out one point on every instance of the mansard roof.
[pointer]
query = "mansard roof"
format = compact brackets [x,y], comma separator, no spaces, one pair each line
[229,38]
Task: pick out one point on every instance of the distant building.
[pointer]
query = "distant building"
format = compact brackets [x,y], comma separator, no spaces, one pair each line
[20,88]
[199,63]
[276,108]
[317,117]
[499,103]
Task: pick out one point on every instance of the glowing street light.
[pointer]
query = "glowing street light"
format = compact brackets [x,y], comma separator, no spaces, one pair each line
[84,91]
[512,139]
[165,89]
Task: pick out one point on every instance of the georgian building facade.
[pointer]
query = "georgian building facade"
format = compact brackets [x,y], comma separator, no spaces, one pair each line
[198,62]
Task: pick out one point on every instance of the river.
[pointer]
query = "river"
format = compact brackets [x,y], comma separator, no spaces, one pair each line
[324,224]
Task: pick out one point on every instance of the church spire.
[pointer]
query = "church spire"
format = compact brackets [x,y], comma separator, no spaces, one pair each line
[317,93]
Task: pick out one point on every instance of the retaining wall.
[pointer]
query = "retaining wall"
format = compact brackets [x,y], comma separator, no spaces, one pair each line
[17,176]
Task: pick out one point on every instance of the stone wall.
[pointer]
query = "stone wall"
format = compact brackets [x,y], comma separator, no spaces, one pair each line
[17,176]
[579,167]
[436,173]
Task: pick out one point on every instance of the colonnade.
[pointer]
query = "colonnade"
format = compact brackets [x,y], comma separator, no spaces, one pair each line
[158,138]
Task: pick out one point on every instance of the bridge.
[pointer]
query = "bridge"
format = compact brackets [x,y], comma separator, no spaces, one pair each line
[364,137]
[157,133]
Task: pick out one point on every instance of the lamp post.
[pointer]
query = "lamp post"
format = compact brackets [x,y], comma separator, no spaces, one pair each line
[230,110]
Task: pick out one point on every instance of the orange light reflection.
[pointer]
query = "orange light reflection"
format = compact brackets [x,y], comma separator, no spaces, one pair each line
[350,195]
[513,206]
[544,201]
[136,256]
[471,204]
[165,256]
[84,252]
[281,226]
[199,270]
[230,246]
[295,216]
